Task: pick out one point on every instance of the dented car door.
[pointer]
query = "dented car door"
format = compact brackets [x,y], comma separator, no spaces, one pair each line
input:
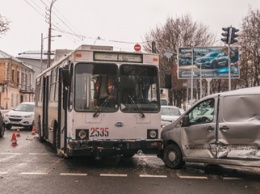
[198,133]
[239,128]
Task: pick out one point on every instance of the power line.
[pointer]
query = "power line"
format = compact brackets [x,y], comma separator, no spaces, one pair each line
[71,32]
[33,8]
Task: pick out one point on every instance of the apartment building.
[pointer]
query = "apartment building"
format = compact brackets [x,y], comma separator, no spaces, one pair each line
[16,81]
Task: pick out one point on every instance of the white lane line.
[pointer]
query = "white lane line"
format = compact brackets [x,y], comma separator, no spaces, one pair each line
[192,177]
[3,172]
[232,178]
[114,175]
[73,174]
[8,158]
[143,156]
[152,176]
[34,173]
[39,154]
[10,153]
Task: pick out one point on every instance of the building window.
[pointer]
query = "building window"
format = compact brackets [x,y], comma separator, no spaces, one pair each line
[12,74]
[18,77]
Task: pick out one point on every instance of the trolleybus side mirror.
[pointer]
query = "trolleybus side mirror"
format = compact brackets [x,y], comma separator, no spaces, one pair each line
[65,76]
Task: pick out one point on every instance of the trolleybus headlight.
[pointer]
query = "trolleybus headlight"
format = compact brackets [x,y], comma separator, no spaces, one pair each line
[152,133]
[81,134]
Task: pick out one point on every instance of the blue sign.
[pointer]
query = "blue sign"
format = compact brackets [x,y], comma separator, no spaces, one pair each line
[208,62]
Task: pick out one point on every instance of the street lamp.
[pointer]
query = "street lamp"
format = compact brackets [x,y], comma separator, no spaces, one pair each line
[49,52]
[200,83]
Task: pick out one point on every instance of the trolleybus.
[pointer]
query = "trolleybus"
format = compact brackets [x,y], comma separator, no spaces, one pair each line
[96,102]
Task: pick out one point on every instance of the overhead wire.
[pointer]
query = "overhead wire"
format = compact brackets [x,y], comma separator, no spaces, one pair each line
[59,28]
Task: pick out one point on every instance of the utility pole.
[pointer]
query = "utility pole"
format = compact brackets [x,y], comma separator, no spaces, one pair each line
[49,35]
[41,49]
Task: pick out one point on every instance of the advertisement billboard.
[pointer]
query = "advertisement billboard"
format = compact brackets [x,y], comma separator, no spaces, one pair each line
[208,62]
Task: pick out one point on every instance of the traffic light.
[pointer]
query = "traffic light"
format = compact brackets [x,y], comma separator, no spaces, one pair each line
[153,47]
[233,35]
[226,35]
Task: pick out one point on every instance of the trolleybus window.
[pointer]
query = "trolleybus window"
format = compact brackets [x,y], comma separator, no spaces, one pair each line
[96,87]
[138,88]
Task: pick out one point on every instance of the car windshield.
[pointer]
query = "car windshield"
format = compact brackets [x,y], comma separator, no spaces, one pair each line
[25,107]
[170,111]
[211,55]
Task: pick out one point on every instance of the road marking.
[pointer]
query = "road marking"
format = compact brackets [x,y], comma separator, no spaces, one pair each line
[152,176]
[3,172]
[192,177]
[232,178]
[34,173]
[144,156]
[8,158]
[39,154]
[73,174]
[114,175]
[10,153]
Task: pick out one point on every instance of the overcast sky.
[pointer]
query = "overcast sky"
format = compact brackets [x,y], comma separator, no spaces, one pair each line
[119,23]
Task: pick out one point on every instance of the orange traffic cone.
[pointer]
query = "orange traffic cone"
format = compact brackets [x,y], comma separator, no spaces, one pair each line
[14,141]
[18,133]
[33,130]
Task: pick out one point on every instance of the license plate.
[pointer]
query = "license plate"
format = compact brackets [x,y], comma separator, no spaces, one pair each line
[14,122]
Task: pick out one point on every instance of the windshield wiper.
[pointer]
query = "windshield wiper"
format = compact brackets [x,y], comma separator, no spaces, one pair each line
[133,102]
[104,103]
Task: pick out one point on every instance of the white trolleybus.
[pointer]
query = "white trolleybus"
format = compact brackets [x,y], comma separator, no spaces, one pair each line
[97,102]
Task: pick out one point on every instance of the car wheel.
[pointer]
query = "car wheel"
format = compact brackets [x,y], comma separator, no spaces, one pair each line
[8,127]
[128,155]
[2,131]
[172,156]
[214,65]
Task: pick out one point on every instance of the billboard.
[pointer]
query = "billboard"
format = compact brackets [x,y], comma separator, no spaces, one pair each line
[208,62]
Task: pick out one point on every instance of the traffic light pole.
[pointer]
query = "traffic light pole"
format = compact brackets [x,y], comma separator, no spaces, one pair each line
[229,37]
[229,73]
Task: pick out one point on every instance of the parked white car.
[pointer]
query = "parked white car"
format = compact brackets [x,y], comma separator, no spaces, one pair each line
[22,115]
[169,114]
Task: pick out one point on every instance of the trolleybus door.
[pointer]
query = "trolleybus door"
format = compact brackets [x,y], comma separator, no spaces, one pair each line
[61,142]
[45,106]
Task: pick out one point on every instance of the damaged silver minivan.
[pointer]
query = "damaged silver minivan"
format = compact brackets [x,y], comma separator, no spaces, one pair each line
[222,128]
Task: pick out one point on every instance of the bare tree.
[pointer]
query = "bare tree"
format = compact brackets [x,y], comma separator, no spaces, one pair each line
[175,33]
[4,25]
[250,50]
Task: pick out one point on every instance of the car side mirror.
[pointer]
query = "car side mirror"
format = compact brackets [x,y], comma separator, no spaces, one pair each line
[185,120]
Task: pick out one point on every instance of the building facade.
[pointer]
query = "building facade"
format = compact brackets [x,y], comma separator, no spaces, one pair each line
[16,81]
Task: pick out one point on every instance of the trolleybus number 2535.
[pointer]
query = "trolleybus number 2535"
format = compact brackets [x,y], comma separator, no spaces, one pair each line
[95,101]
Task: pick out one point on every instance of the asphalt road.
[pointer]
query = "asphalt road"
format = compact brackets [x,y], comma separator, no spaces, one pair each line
[33,167]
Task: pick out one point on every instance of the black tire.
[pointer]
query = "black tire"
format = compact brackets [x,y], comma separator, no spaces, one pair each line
[214,65]
[2,131]
[40,136]
[8,127]
[128,155]
[172,156]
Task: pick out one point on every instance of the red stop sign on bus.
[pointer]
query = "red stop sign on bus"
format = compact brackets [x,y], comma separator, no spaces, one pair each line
[137,47]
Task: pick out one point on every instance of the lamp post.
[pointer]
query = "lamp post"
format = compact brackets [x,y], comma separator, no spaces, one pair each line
[200,83]
[49,52]
[192,61]
[49,36]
